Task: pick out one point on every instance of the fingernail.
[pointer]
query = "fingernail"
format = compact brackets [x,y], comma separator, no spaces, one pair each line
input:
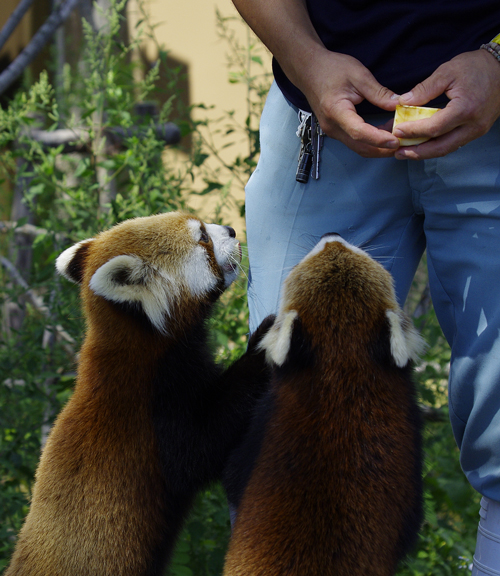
[393,145]
[397,132]
[407,96]
[395,97]
[402,154]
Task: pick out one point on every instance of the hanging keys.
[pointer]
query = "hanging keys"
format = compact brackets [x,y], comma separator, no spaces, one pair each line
[311,137]
[317,136]
[305,154]
[305,163]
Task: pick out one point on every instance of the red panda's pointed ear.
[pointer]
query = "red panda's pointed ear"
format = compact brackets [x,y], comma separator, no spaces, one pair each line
[127,279]
[277,341]
[406,342]
[287,343]
[71,262]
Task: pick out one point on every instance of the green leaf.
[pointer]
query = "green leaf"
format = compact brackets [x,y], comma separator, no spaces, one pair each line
[199,159]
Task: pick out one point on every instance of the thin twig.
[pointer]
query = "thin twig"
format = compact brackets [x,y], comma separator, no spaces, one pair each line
[38,304]
[25,230]
[15,274]
[79,138]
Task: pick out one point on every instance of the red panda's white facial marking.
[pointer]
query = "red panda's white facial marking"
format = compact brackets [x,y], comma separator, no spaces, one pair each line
[157,261]
[227,251]
[198,274]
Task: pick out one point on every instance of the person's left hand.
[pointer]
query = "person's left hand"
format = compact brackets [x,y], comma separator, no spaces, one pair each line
[472,83]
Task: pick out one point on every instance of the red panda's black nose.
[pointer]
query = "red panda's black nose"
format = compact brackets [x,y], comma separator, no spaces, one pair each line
[230,231]
[328,234]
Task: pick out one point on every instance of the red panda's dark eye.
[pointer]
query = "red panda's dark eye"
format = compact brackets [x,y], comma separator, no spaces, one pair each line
[204,237]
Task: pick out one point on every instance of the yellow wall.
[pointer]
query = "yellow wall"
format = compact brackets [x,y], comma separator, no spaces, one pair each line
[187,29]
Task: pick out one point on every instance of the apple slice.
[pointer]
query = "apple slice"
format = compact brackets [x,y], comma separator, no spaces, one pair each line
[409,114]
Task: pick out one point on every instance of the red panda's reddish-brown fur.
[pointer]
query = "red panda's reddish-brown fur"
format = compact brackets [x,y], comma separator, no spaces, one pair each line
[334,488]
[152,418]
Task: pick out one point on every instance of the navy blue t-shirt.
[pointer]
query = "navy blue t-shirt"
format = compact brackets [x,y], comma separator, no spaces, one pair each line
[401,42]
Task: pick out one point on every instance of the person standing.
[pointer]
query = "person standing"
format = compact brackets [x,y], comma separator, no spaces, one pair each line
[349,63]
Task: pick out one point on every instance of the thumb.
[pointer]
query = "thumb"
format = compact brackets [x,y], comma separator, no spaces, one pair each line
[427,90]
[380,95]
[366,86]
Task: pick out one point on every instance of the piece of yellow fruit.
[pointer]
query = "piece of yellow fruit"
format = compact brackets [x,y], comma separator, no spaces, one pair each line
[408,114]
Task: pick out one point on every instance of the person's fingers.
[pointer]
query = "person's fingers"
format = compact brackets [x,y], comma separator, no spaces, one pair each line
[436,147]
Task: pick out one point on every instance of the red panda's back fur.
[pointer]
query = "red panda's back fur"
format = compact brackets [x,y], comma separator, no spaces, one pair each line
[88,483]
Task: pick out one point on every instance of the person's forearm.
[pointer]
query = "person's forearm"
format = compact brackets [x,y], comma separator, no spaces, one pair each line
[285,28]
[333,83]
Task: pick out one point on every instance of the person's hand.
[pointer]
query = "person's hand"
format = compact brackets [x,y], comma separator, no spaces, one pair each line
[333,86]
[472,83]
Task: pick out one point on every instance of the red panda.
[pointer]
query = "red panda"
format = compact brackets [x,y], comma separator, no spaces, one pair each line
[328,479]
[152,418]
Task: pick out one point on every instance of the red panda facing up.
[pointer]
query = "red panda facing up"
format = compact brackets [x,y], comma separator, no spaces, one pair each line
[328,479]
[152,418]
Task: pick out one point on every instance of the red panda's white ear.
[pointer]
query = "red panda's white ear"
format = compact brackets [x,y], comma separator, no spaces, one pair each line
[277,341]
[406,342]
[128,279]
[71,262]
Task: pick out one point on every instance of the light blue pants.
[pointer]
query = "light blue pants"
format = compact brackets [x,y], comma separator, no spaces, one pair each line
[395,210]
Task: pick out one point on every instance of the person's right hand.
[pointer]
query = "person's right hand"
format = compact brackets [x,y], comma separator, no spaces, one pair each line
[333,86]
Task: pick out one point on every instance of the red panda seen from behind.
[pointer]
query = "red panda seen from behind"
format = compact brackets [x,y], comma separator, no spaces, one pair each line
[328,479]
[152,418]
